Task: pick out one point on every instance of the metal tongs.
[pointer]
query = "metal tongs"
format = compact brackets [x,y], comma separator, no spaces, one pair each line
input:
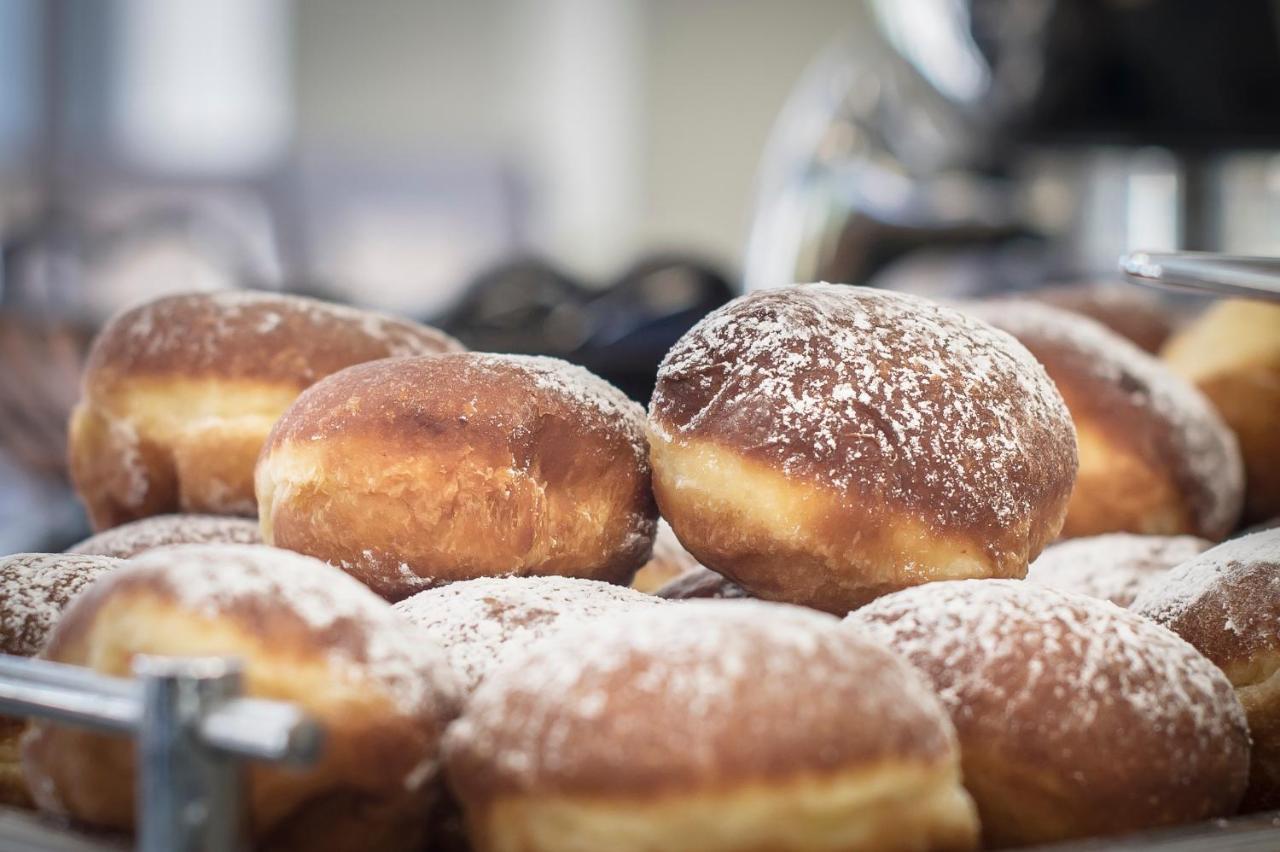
[1205,272]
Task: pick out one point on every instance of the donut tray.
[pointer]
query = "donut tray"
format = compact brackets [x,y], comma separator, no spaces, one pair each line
[192,728]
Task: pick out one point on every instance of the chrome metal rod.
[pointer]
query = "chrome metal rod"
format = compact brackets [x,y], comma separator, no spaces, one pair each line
[69,694]
[189,797]
[1205,272]
[262,730]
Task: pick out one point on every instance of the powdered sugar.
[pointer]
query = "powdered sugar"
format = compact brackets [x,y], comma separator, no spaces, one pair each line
[214,580]
[1013,657]
[1207,456]
[1115,567]
[160,530]
[34,590]
[1226,601]
[483,623]
[876,393]
[578,386]
[683,694]
[202,324]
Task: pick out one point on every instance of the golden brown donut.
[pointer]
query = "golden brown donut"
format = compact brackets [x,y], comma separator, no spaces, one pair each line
[180,393]
[1138,316]
[413,472]
[307,634]
[709,726]
[1155,458]
[1115,567]
[701,583]
[1232,353]
[161,530]
[824,444]
[1226,603]
[481,624]
[1076,718]
[34,589]
[669,561]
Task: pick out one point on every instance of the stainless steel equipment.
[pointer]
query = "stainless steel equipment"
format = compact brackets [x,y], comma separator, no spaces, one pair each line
[968,146]
[191,729]
[1205,272]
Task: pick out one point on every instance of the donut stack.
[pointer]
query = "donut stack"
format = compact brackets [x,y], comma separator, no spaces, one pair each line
[827,644]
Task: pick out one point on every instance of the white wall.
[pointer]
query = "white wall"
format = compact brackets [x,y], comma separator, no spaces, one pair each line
[682,94]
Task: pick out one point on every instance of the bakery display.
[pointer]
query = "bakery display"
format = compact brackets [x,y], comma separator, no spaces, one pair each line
[179,394]
[306,633]
[1138,316]
[1075,718]
[824,444]
[1232,354]
[414,472]
[34,589]
[669,561]
[482,624]
[701,583]
[1155,458]
[678,728]
[1226,602]
[161,530]
[1115,567]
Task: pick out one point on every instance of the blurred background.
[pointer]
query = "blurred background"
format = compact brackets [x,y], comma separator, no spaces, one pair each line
[587,178]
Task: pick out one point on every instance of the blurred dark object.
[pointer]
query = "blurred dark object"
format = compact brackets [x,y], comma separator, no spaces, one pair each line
[637,320]
[620,332]
[1063,132]
[527,306]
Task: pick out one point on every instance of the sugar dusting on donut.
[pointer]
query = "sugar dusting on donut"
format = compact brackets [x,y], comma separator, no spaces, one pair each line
[215,580]
[1115,567]
[1207,459]
[579,386]
[1057,663]
[483,623]
[1226,601]
[209,330]
[35,588]
[160,530]
[874,393]
[701,692]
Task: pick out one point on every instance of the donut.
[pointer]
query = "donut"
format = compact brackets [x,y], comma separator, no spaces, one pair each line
[678,728]
[824,445]
[483,623]
[701,583]
[669,561]
[307,634]
[1114,567]
[1138,316]
[179,394]
[160,530]
[1226,602]
[34,589]
[1076,718]
[1232,354]
[413,472]
[1155,458]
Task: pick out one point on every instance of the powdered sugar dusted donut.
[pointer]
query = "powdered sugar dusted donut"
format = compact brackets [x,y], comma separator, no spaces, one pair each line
[708,726]
[702,583]
[161,530]
[824,444]
[1115,567]
[1076,718]
[34,589]
[483,623]
[413,472]
[306,633]
[180,393]
[1155,457]
[1226,602]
